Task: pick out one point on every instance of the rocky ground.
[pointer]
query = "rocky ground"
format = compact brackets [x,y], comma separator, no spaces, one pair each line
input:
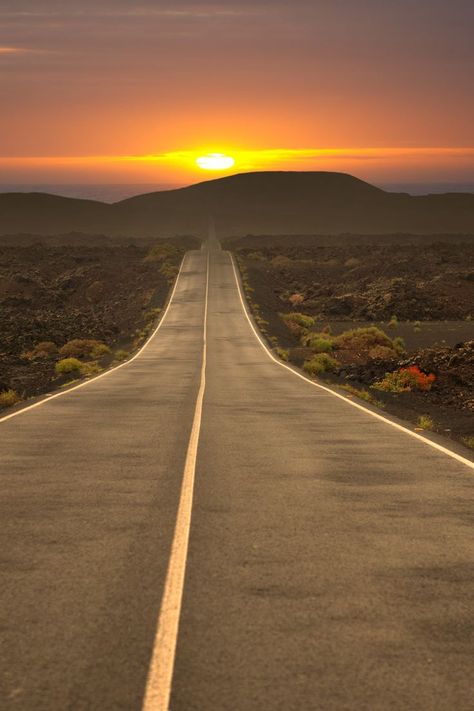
[419,292]
[77,287]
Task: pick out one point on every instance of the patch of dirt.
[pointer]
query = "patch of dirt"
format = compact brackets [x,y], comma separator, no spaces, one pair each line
[368,282]
[74,286]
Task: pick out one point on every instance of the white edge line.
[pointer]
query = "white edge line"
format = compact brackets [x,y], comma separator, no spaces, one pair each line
[160,674]
[376,415]
[48,398]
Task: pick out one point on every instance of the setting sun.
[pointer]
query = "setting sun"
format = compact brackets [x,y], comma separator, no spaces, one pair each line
[215,161]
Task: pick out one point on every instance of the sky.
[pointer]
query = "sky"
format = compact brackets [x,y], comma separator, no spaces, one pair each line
[123,91]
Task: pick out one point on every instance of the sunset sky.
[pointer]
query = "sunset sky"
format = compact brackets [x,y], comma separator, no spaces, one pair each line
[123,91]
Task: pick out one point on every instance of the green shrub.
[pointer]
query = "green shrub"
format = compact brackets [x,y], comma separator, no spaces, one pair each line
[121,355]
[399,345]
[320,363]
[469,441]
[425,422]
[91,368]
[297,323]
[152,314]
[319,344]
[283,354]
[100,350]
[68,365]
[170,271]
[9,398]
[83,348]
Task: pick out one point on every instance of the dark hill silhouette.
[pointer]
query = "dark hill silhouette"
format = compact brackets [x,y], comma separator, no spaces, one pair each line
[265,202]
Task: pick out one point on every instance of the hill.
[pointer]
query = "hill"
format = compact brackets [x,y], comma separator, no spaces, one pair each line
[264,202]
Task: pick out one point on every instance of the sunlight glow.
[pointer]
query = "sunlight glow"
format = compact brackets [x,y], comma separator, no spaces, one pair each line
[215,161]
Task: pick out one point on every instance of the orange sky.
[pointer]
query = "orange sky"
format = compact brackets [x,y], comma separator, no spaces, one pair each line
[90,89]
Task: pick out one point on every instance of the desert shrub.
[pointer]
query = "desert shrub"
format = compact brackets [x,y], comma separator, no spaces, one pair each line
[363,395]
[68,365]
[120,355]
[393,323]
[320,363]
[296,299]
[283,354]
[83,348]
[297,323]
[260,321]
[399,344]
[425,422]
[100,350]
[44,349]
[363,339]
[170,271]
[152,314]
[405,380]
[469,441]
[382,353]
[319,344]
[90,368]
[298,318]
[9,398]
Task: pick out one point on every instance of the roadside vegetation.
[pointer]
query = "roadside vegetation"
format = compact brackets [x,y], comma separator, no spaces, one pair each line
[390,323]
[8,398]
[74,305]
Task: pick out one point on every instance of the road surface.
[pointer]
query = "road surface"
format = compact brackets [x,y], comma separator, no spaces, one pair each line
[330,561]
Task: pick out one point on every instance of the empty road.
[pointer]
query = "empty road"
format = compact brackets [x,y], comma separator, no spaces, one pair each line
[327,564]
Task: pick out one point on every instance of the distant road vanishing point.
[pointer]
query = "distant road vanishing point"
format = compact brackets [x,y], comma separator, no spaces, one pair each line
[203,529]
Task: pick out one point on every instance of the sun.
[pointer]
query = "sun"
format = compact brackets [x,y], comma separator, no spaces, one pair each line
[215,161]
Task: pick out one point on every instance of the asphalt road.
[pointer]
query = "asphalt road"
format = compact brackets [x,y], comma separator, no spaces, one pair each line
[330,562]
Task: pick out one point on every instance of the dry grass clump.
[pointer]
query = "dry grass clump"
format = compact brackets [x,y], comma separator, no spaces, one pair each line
[363,395]
[297,323]
[84,348]
[9,398]
[91,368]
[363,339]
[283,354]
[121,355]
[151,315]
[44,349]
[469,441]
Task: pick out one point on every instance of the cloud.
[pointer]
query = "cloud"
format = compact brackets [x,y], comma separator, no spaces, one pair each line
[22,50]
